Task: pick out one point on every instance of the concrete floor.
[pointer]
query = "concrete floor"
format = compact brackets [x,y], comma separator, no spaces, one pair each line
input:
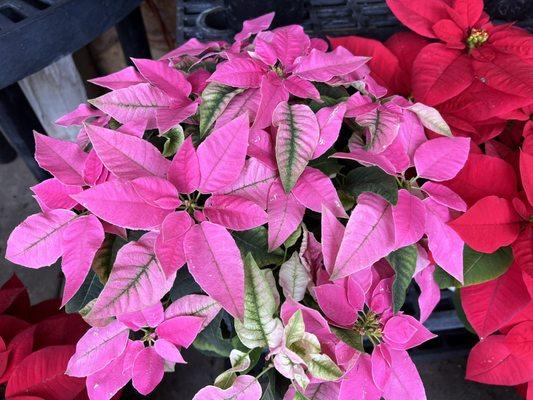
[444,380]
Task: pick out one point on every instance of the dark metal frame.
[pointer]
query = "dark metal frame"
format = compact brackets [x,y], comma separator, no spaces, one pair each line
[34,34]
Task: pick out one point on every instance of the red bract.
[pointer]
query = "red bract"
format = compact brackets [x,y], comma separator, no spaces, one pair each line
[469,48]
[35,345]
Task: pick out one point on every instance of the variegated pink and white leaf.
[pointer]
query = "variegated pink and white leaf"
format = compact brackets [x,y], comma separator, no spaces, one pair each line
[127,157]
[442,158]
[273,92]
[234,212]
[169,243]
[253,182]
[97,348]
[136,281]
[246,102]
[314,190]
[222,155]
[166,78]
[148,370]
[245,387]
[296,140]
[214,260]
[284,215]
[52,194]
[184,171]
[81,240]
[332,234]
[369,236]
[329,121]
[37,241]
[65,160]
[119,203]
[321,67]
[239,72]
[119,80]
[196,305]
[132,103]
[409,216]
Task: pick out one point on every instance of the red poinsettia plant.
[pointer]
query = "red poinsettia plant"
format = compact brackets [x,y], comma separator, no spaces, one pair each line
[480,77]
[36,343]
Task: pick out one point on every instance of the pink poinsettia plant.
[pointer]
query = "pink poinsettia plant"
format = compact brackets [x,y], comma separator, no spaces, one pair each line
[265,200]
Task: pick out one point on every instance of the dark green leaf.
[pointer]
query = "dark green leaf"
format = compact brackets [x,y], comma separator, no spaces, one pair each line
[255,242]
[184,284]
[174,140]
[350,337]
[269,389]
[403,261]
[460,311]
[477,267]
[335,92]
[89,290]
[329,166]
[103,259]
[372,179]
[211,342]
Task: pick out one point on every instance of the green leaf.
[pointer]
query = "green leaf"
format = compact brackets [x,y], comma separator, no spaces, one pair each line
[174,140]
[211,342]
[293,237]
[306,346]
[329,166]
[372,179]
[329,96]
[103,259]
[269,391]
[299,396]
[215,99]
[456,298]
[403,261]
[295,328]
[184,284]
[477,267]
[296,138]
[259,328]
[89,290]
[255,242]
[350,337]
[322,367]
[294,278]
[240,361]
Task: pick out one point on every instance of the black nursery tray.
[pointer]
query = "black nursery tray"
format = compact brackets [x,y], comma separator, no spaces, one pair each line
[370,18]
